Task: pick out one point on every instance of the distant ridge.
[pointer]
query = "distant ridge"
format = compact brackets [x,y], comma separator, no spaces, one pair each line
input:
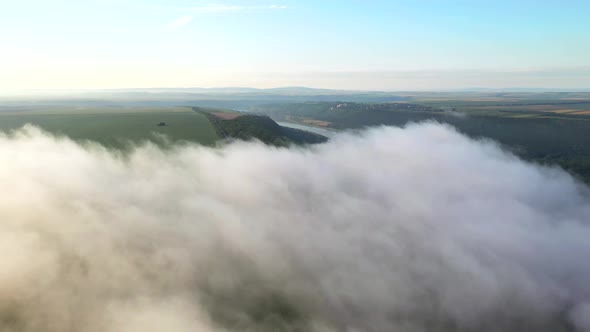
[195,90]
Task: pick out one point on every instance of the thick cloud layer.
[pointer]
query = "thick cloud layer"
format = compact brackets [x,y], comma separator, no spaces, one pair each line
[415,229]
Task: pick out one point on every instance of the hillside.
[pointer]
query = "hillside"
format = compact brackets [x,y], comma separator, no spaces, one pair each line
[231,125]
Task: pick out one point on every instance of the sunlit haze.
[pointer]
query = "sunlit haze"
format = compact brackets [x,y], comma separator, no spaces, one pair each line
[295,165]
[345,44]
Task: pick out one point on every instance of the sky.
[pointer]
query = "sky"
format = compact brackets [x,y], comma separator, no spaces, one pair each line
[342,44]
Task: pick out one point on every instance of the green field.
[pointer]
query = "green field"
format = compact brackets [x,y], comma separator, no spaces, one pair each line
[551,104]
[115,127]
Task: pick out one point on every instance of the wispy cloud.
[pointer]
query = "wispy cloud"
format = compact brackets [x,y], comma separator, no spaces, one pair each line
[216,9]
[228,8]
[181,21]
[277,7]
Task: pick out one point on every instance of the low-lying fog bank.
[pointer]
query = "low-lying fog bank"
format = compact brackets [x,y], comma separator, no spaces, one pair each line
[415,229]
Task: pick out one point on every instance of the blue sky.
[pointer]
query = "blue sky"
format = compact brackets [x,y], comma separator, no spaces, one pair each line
[353,44]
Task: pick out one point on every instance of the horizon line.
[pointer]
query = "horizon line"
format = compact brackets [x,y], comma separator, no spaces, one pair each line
[463,89]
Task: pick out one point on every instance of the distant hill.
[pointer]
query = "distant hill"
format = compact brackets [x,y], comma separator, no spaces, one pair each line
[228,98]
[191,90]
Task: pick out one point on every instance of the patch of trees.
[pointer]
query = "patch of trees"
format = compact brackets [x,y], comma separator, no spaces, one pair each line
[263,128]
[547,140]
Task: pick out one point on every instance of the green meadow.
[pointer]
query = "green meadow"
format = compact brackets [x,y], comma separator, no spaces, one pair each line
[116,127]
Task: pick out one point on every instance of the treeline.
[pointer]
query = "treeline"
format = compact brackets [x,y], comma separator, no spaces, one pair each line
[547,140]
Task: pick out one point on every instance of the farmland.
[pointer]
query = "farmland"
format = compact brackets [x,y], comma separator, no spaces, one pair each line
[121,127]
[507,103]
[116,127]
[551,138]
[546,127]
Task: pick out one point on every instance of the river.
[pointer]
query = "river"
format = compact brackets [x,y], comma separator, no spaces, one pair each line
[324,132]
